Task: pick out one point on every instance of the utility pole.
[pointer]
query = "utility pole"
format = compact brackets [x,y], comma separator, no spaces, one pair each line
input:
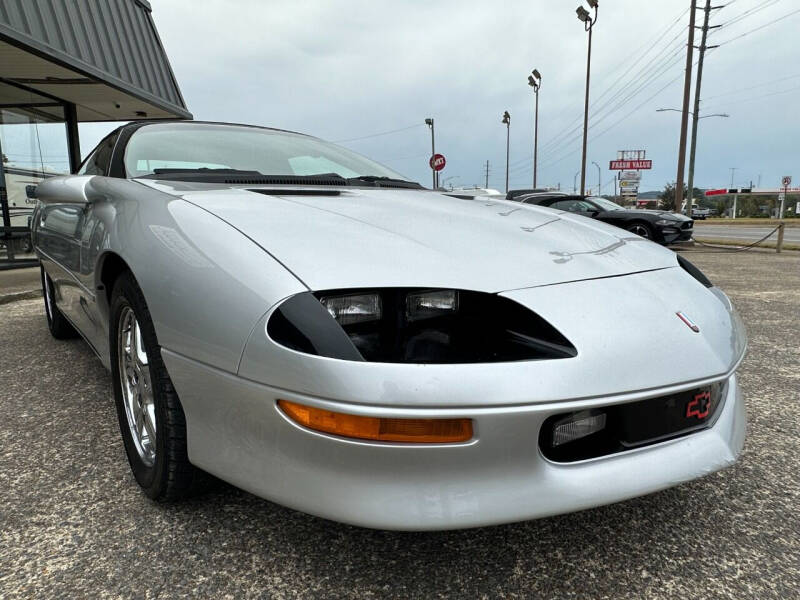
[687,86]
[429,123]
[696,116]
[487,175]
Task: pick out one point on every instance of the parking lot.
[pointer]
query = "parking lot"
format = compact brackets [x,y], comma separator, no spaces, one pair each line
[74,523]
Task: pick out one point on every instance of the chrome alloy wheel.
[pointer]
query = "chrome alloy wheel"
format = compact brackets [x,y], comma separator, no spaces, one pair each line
[137,390]
[48,306]
[640,230]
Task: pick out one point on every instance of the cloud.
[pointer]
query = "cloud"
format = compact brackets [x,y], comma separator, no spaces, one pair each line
[341,70]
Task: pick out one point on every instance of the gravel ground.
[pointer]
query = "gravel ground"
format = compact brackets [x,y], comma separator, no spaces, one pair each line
[73,523]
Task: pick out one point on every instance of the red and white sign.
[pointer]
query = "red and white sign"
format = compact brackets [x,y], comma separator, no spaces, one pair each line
[437,162]
[627,165]
[716,192]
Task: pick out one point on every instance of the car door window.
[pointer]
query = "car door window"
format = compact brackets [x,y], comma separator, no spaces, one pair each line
[98,161]
[568,205]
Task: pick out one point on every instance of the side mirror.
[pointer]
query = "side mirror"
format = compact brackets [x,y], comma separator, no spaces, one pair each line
[68,189]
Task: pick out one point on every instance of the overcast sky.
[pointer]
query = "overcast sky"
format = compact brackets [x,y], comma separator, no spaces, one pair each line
[348,69]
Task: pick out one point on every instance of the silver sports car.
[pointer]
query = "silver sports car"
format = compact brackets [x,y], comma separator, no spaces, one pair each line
[310,326]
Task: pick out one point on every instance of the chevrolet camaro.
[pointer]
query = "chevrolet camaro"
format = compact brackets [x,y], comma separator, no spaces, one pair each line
[312,327]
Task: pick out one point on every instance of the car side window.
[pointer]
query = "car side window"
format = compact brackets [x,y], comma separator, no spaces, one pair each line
[98,161]
[568,205]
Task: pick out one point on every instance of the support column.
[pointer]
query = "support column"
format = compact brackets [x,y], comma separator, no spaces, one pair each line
[73,140]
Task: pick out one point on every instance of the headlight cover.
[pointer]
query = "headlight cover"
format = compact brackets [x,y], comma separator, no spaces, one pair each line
[415,325]
[668,222]
[694,271]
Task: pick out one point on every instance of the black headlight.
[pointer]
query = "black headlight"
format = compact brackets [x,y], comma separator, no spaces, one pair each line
[415,325]
[694,271]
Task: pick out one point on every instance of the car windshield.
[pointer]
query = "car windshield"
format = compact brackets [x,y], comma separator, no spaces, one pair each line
[606,204]
[168,149]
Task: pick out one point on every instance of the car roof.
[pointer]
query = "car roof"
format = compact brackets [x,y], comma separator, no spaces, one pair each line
[146,122]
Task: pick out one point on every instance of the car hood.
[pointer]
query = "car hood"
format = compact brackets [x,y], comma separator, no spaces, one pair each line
[368,237]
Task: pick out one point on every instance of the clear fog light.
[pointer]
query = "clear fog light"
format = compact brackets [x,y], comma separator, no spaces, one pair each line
[424,305]
[577,425]
[357,308]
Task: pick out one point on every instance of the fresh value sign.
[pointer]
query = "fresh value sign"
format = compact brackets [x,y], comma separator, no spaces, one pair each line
[626,165]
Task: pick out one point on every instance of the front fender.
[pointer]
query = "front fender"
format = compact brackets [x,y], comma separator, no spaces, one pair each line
[205,283]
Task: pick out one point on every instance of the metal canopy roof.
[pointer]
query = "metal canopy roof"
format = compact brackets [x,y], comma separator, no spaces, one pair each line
[103,56]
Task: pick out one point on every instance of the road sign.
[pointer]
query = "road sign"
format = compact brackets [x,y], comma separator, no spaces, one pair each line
[625,165]
[437,162]
[781,197]
[786,181]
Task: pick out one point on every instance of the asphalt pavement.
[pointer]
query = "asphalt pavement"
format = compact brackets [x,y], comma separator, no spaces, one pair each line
[73,523]
[745,233]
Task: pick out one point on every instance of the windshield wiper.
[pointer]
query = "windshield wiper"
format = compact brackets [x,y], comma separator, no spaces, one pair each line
[384,182]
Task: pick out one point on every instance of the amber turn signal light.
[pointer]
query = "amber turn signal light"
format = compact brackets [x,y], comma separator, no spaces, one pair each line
[418,431]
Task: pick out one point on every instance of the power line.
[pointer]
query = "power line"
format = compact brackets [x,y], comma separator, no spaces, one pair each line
[749,13]
[372,135]
[670,47]
[754,98]
[753,87]
[765,25]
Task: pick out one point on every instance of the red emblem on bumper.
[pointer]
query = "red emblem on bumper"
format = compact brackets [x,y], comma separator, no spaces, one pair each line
[699,406]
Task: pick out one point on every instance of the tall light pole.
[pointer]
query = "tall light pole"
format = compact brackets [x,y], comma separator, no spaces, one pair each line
[687,86]
[429,123]
[535,81]
[599,180]
[507,122]
[588,25]
[574,183]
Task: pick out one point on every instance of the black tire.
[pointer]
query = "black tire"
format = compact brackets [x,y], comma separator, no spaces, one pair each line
[641,229]
[170,476]
[57,323]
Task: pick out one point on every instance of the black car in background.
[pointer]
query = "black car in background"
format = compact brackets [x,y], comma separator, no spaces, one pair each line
[656,225]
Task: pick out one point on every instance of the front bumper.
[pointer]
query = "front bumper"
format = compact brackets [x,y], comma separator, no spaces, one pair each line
[681,232]
[237,433]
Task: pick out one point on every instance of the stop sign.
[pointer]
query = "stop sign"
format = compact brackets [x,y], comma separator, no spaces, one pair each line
[437,162]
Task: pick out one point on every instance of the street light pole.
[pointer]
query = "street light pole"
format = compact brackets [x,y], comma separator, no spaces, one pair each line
[535,81]
[687,85]
[574,183]
[588,25]
[507,122]
[599,178]
[429,123]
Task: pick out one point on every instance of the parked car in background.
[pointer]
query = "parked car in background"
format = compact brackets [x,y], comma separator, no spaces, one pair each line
[656,225]
[698,212]
[309,325]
